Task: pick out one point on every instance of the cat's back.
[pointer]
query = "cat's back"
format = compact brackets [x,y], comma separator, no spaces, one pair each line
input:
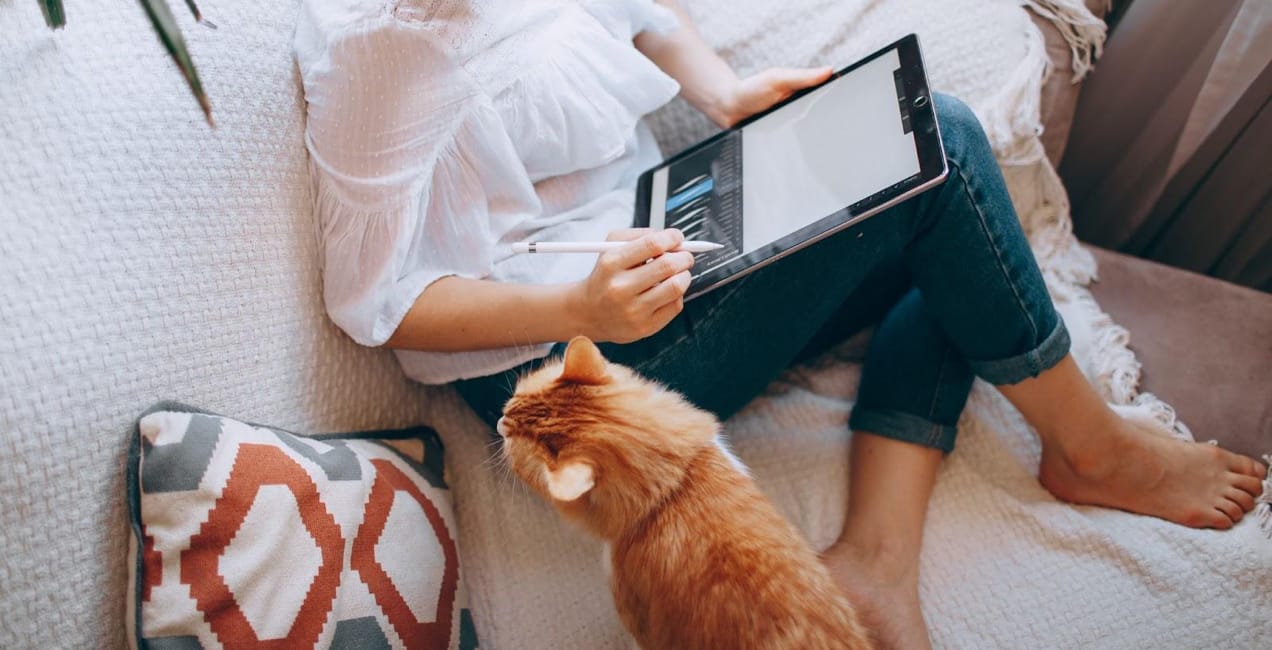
[718,567]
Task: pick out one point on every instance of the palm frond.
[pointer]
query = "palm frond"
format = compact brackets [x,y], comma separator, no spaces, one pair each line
[170,35]
[54,13]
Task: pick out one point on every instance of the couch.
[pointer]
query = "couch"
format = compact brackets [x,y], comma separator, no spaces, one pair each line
[145,257]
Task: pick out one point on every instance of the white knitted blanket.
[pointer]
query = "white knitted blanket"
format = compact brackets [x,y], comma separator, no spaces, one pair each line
[1004,564]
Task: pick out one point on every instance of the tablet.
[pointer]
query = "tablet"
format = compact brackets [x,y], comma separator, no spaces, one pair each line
[814,164]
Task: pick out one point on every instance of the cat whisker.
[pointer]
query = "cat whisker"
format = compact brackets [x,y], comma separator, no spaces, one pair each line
[499,464]
[497,461]
[495,454]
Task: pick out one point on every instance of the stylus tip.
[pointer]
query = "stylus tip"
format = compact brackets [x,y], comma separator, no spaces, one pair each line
[700,246]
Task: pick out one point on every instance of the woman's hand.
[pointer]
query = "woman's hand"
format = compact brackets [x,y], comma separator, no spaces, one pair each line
[761,90]
[707,81]
[635,290]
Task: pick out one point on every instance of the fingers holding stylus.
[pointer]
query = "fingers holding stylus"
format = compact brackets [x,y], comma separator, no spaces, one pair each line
[637,251]
[669,291]
[652,259]
[635,289]
[660,269]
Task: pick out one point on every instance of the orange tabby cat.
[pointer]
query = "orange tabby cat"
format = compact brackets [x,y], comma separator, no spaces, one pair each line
[699,559]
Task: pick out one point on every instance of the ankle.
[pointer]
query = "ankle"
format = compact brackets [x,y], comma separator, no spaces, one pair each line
[885,558]
[1087,446]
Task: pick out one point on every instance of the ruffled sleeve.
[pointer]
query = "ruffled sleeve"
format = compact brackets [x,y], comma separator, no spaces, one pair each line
[626,18]
[413,170]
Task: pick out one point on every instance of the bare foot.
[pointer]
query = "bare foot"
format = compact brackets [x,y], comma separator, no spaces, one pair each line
[885,592]
[1129,468]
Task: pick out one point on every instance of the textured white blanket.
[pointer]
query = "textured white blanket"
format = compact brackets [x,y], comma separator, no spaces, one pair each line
[1004,564]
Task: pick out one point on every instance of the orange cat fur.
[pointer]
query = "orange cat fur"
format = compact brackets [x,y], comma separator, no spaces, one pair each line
[699,559]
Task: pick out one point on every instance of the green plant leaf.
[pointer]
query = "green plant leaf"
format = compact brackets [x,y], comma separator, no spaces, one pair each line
[198,15]
[194,9]
[170,35]
[54,13]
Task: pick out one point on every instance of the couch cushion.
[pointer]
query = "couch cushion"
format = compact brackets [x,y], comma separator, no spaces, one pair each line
[244,533]
[1205,344]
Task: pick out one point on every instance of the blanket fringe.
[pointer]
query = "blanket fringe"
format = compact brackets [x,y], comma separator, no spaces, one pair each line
[1013,121]
[1015,115]
[1263,504]
[1082,30]
[1069,268]
[1044,210]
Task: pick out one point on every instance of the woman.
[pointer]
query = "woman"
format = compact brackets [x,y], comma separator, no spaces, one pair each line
[443,130]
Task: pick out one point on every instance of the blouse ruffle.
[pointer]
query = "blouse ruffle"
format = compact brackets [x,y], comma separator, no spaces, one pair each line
[421,164]
[578,105]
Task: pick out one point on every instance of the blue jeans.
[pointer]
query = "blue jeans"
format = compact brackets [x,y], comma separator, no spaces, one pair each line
[949,272]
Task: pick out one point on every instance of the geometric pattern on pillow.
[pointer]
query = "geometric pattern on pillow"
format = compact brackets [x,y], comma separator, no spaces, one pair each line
[248,536]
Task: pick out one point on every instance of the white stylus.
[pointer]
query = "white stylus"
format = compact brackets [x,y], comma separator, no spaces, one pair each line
[600,246]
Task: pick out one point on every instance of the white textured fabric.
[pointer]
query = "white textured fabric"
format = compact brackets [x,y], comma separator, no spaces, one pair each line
[441,132]
[146,256]
[1004,564]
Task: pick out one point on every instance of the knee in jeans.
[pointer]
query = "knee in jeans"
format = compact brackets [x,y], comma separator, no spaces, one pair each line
[961,131]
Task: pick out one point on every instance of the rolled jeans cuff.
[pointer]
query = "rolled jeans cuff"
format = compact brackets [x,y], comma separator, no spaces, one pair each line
[1013,370]
[905,427]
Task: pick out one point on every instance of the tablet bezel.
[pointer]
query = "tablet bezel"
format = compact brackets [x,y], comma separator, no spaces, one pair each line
[929,147]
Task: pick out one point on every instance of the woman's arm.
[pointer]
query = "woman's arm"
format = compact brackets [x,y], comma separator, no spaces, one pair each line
[457,313]
[706,80]
[632,292]
[709,83]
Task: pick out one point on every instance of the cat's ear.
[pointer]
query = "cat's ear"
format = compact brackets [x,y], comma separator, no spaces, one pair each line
[584,363]
[569,481]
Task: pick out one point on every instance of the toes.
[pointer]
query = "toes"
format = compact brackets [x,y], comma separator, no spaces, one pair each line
[1246,483]
[1212,518]
[1241,498]
[1207,518]
[1245,465]
[1232,510]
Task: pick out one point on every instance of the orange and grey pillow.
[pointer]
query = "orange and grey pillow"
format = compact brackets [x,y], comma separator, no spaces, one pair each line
[244,535]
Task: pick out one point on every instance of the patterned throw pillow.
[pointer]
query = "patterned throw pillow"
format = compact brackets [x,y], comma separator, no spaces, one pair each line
[246,536]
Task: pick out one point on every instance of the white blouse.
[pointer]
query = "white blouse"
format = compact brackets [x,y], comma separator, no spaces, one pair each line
[440,131]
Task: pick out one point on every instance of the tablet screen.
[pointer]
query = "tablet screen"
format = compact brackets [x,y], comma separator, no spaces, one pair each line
[794,170]
[845,148]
